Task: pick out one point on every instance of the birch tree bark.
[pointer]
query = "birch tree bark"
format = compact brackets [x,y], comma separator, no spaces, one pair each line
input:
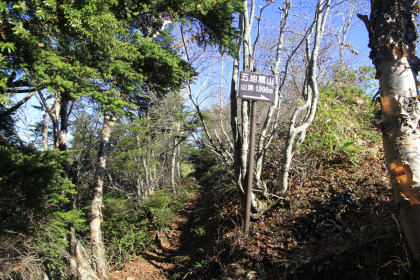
[45,130]
[297,132]
[393,37]
[98,249]
[248,57]
[53,113]
[270,123]
[242,118]
[78,260]
[174,157]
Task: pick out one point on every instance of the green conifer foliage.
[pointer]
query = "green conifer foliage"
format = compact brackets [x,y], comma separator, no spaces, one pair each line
[32,204]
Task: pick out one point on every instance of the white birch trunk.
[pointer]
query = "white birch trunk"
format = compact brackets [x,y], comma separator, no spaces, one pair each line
[173,164]
[269,123]
[310,94]
[392,38]
[45,130]
[98,249]
[401,138]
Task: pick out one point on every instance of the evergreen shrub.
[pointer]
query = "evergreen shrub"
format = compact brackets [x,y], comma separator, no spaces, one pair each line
[33,200]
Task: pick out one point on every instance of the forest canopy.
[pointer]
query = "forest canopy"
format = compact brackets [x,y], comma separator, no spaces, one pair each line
[119,116]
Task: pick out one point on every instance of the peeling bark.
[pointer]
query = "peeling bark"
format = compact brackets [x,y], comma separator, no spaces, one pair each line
[393,36]
[401,139]
[78,260]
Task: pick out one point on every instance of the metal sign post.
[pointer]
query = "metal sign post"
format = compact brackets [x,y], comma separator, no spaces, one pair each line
[255,87]
[250,167]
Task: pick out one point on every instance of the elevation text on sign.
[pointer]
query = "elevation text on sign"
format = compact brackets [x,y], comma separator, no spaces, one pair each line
[255,86]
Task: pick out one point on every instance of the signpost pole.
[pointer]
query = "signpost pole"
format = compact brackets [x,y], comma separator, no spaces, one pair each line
[250,166]
[256,87]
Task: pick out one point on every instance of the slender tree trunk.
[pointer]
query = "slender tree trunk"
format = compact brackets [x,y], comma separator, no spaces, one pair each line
[240,144]
[240,120]
[54,116]
[79,265]
[98,249]
[270,124]
[173,166]
[310,94]
[64,123]
[149,165]
[45,130]
[342,34]
[178,159]
[174,158]
[245,104]
[56,120]
[148,189]
[234,122]
[392,38]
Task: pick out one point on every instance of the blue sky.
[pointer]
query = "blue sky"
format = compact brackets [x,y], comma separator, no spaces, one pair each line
[301,15]
[301,10]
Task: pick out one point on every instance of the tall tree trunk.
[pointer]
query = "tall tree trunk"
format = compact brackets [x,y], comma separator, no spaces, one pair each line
[173,165]
[271,120]
[296,133]
[178,159]
[45,130]
[79,265]
[240,125]
[55,116]
[174,158]
[392,38]
[98,249]
[240,138]
[64,123]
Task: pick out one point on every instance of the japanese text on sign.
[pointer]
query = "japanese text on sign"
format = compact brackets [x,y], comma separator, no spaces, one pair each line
[255,86]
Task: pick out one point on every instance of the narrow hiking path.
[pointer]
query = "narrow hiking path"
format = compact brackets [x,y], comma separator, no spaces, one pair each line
[334,224]
[172,251]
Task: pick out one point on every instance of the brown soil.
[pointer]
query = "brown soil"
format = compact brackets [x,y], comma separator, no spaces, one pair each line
[338,223]
[170,252]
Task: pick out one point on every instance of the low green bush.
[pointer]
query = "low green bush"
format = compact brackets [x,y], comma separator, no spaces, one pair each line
[125,229]
[33,213]
[129,226]
[342,130]
[160,209]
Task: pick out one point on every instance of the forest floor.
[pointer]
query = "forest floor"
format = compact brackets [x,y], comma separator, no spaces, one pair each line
[337,223]
[171,249]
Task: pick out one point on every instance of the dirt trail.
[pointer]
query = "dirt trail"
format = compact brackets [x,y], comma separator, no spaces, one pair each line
[172,250]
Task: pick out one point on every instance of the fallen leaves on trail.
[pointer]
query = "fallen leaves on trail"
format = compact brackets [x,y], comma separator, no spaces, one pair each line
[139,269]
[337,224]
[172,252]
